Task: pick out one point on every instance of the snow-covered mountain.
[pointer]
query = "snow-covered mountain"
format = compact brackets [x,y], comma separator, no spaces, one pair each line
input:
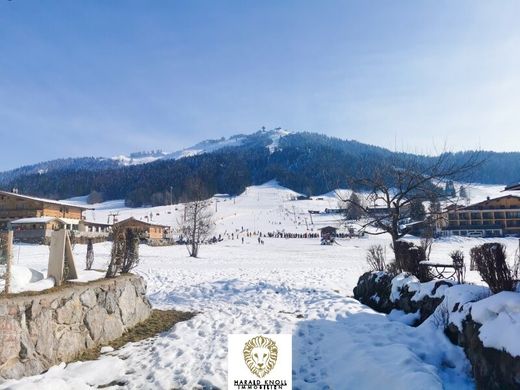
[269,138]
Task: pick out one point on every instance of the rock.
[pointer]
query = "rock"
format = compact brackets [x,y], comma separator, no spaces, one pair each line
[88,299]
[127,304]
[108,301]
[70,344]
[106,349]
[94,322]
[10,333]
[70,312]
[373,289]
[112,329]
[142,312]
[41,330]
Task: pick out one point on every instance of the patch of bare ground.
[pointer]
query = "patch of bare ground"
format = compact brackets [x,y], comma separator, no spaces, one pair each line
[158,322]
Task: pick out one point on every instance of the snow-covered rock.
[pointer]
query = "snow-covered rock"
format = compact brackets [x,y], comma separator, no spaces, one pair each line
[500,318]
[400,282]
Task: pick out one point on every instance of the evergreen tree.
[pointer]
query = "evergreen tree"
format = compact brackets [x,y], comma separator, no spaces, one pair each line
[417,210]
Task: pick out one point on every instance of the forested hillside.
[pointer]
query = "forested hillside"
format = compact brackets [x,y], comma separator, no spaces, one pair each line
[305,162]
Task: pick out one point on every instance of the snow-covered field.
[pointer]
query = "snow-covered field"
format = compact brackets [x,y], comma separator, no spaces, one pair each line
[284,286]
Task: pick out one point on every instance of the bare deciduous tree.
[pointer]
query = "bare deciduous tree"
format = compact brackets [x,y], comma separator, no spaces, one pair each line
[399,181]
[197,222]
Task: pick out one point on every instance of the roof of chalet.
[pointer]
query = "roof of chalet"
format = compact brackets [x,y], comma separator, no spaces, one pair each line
[513,187]
[486,202]
[139,221]
[34,220]
[50,201]
[66,221]
[94,223]
[328,227]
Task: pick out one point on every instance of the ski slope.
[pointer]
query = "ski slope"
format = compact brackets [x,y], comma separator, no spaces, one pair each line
[292,286]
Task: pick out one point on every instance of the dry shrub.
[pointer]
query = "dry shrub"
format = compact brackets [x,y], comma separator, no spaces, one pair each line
[376,257]
[490,260]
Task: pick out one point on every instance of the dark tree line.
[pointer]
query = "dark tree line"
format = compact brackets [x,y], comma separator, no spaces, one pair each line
[308,163]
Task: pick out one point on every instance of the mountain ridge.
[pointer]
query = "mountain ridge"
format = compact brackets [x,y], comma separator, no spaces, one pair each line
[309,163]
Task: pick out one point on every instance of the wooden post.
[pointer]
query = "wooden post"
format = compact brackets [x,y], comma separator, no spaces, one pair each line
[9,260]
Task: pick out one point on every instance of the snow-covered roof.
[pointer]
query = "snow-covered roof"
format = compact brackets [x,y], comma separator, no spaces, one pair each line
[56,202]
[141,222]
[487,201]
[34,220]
[67,221]
[513,187]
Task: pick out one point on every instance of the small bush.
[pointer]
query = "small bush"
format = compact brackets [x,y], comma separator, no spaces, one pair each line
[376,258]
[490,261]
[516,266]
[125,252]
[131,254]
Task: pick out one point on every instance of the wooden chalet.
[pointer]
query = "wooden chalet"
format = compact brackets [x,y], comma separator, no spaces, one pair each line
[147,231]
[15,206]
[328,231]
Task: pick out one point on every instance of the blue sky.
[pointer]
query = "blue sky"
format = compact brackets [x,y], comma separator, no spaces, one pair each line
[100,78]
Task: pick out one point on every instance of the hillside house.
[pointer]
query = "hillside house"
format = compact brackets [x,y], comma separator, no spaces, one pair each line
[36,229]
[14,206]
[328,231]
[95,230]
[150,232]
[490,218]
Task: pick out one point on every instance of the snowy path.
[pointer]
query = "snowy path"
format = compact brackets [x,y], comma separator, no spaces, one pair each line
[286,286]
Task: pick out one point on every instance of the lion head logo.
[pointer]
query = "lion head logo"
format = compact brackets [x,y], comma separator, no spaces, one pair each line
[260,354]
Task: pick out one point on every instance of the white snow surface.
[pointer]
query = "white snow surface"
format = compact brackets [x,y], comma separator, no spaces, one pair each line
[291,286]
[284,286]
[426,289]
[403,280]
[457,303]
[500,318]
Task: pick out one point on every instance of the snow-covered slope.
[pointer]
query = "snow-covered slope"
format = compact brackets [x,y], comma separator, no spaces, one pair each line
[271,137]
[294,286]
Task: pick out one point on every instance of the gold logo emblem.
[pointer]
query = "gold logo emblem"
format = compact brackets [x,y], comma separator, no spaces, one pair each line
[260,354]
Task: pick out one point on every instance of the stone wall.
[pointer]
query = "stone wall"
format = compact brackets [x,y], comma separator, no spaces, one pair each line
[374,289]
[492,369]
[40,330]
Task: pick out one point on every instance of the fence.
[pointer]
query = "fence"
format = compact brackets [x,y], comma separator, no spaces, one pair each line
[6,249]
